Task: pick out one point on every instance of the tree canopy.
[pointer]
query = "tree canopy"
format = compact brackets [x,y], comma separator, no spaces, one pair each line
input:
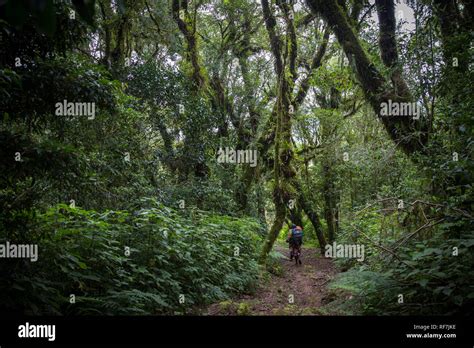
[157,152]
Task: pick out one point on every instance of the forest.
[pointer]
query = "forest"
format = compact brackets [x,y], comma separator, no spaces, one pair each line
[155,155]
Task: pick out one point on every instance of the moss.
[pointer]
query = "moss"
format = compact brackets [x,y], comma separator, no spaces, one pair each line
[227,306]
[244,308]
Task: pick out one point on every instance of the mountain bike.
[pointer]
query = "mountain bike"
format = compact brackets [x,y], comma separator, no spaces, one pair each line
[296,253]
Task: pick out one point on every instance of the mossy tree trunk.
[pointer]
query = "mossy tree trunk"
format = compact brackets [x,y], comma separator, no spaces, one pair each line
[411,135]
[311,213]
[286,75]
[288,101]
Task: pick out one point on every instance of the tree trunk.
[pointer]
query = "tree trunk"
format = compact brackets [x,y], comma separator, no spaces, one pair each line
[411,135]
[311,214]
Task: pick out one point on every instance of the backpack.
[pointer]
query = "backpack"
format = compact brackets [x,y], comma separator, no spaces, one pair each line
[297,235]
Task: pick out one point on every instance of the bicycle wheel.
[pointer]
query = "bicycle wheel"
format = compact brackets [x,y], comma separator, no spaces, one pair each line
[298,252]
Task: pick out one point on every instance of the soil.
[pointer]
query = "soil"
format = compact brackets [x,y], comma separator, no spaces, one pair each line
[296,290]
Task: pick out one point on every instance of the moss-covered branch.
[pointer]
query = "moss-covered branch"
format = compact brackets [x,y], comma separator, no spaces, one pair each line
[411,135]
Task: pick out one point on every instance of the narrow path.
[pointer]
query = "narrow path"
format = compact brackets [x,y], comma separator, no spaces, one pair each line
[298,290]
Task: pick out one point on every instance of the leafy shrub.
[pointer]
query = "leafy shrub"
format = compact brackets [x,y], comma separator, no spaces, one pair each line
[430,277]
[273,263]
[85,253]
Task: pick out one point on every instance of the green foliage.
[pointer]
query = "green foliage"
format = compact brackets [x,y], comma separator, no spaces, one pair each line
[431,279]
[34,90]
[85,253]
[431,268]
[43,13]
[154,139]
[273,264]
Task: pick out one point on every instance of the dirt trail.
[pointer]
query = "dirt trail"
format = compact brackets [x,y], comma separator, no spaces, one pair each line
[304,284]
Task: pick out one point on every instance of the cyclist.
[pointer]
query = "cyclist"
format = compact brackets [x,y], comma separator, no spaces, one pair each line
[295,239]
